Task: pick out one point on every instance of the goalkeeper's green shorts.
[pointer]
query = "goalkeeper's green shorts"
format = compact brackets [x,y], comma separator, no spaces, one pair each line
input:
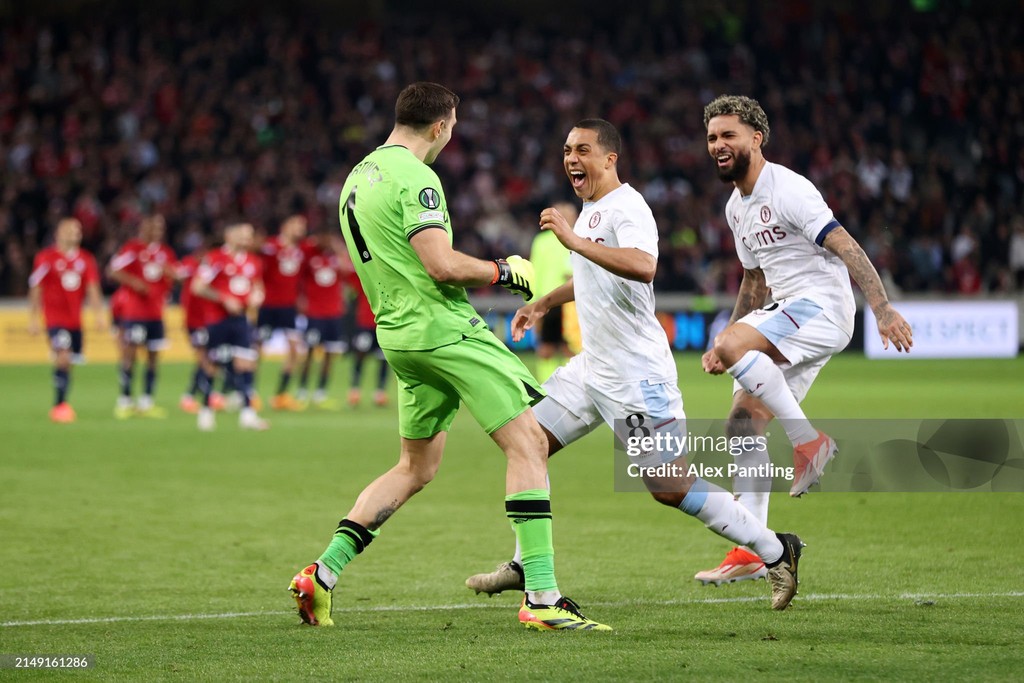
[478,371]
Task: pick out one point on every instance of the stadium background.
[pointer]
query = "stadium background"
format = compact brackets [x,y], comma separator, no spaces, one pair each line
[907,117]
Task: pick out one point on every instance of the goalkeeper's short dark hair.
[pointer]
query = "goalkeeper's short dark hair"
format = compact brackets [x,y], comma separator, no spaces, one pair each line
[607,136]
[423,104]
[747,109]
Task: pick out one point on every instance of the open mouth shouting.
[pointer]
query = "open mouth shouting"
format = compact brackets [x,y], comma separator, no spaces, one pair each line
[731,165]
[578,178]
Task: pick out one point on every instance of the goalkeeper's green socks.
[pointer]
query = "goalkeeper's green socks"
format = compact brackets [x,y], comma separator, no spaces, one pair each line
[349,540]
[530,515]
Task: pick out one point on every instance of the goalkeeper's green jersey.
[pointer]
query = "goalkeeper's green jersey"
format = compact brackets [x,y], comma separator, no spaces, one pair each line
[387,198]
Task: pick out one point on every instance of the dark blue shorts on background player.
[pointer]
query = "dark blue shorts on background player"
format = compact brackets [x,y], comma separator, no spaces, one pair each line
[325,332]
[230,338]
[198,337]
[63,339]
[148,333]
[364,340]
[276,318]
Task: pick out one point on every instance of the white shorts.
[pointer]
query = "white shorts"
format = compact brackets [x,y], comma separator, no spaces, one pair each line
[574,407]
[800,331]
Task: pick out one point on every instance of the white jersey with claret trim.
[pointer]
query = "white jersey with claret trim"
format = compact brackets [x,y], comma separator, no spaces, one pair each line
[780,227]
[622,339]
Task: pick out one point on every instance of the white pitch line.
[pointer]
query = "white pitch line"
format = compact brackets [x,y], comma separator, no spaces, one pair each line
[157,617]
[814,597]
[497,605]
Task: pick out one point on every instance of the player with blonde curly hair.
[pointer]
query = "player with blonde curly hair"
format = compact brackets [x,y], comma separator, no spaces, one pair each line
[791,246]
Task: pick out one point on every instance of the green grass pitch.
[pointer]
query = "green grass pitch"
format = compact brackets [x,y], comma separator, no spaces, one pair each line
[166,553]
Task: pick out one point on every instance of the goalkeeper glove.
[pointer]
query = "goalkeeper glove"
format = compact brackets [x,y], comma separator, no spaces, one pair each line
[516,275]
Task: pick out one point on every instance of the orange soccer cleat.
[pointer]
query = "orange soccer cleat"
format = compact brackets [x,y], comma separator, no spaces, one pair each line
[189,404]
[739,565]
[809,460]
[285,402]
[217,401]
[62,413]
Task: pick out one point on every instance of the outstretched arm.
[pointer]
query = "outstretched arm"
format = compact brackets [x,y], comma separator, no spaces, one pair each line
[558,296]
[528,316]
[447,265]
[891,325]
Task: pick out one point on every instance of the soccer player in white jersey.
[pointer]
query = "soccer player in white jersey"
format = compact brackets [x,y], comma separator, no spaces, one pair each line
[791,245]
[626,369]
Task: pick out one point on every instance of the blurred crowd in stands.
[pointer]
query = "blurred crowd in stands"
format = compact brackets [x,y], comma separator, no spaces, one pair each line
[911,124]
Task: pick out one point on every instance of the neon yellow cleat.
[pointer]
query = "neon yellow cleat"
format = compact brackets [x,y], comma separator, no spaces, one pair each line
[312,597]
[152,412]
[123,411]
[564,615]
[326,404]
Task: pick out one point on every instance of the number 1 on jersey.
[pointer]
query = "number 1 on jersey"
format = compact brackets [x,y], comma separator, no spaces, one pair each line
[353,226]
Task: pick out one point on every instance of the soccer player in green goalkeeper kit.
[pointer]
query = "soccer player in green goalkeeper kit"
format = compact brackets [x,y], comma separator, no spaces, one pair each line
[395,220]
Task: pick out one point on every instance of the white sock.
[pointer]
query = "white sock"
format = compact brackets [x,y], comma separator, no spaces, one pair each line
[125,402]
[329,578]
[543,597]
[721,513]
[145,402]
[752,492]
[762,379]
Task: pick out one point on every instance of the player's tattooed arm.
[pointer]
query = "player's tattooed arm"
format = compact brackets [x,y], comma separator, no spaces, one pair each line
[891,325]
[753,290]
[840,243]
